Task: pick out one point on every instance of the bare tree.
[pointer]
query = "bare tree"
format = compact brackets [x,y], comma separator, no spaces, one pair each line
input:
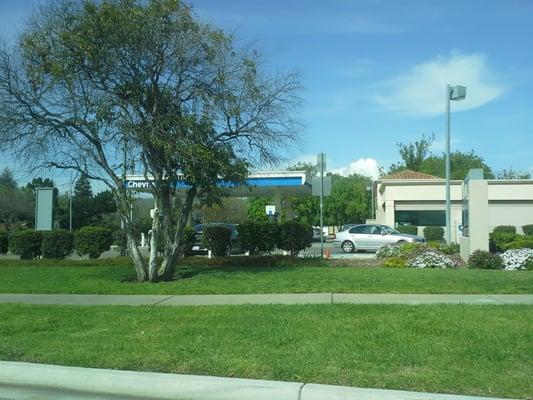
[87,79]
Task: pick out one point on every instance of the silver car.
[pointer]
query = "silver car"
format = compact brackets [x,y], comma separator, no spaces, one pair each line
[371,237]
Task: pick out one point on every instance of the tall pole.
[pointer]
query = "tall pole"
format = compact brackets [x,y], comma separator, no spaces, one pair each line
[124,172]
[448,207]
[321,205]
[70,209]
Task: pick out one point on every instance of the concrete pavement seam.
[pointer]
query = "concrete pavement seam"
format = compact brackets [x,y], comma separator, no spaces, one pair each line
[161,301]
[300,390]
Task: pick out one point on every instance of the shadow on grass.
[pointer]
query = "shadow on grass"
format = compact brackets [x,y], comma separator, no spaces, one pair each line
[192,267]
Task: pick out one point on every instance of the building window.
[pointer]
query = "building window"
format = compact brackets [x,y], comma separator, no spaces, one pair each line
[420,217]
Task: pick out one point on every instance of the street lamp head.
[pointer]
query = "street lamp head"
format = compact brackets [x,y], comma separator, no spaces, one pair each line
[457,93]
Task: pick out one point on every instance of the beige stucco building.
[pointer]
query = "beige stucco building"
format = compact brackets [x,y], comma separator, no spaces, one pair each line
[414,198]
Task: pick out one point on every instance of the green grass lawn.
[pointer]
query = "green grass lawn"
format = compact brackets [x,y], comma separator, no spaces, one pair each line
[476,350]
[18,277]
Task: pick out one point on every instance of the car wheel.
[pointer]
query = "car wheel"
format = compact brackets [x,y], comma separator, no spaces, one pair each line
[347,246]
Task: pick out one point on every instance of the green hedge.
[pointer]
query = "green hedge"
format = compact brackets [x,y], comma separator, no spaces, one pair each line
[92,240]
[4,242]
[504,229]
[485,260]
[26,243]
[520,242]
[217,238]
[434,233]
[409,229]
[57,244]
[528,229]
[258,237]
[294,237]
[499,241]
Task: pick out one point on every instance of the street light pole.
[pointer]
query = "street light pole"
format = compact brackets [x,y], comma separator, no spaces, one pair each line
[322,205]
[452,93]
[448,202]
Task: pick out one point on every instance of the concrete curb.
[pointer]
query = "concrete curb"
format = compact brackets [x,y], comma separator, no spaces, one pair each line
[149,385]
[273,298]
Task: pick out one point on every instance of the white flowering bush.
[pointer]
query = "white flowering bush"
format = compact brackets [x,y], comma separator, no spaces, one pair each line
[432,259]
[518,259]
[388,250]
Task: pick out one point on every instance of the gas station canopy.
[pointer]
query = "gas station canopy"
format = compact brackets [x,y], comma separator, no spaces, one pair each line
[259,184]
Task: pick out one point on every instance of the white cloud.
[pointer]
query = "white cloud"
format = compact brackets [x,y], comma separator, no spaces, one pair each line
[363,166]
[421,91]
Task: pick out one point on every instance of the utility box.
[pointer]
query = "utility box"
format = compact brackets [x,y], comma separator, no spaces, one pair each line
[44,208]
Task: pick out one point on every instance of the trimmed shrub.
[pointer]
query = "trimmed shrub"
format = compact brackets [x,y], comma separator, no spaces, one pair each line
[4,242]
[518,259]
[92,240]
[409,229]
[443,247]
[217,238]
[258,237]
[57,244]
[485,260]
[520,242]
[394,262]
[528,229]
[294,237]
[26,243]
[434,233]
[187,241]
[504,229]
[500,240]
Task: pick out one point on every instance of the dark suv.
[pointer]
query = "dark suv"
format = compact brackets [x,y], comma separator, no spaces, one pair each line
[198,246]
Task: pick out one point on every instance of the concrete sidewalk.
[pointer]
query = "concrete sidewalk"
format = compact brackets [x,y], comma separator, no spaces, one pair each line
[27,381]
[239,299]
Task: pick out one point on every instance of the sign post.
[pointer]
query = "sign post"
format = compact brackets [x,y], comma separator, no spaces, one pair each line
[321,164]
[321,187]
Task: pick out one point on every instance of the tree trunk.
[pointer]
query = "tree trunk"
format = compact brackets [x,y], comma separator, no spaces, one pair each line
[171,256]
[154,239]
[136,256]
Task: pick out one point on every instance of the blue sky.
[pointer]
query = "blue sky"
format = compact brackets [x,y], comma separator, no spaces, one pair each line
[374,71]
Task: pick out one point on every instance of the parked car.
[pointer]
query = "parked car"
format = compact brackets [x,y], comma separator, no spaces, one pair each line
[347,226]
[199,248]
[371,237]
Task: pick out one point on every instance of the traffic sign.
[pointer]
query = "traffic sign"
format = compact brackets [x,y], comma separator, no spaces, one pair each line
[317,185]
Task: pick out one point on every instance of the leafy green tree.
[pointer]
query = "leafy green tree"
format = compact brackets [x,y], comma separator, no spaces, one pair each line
[417,157]
[88,77]
[256,208]
[413,154]
[16,204]
[231,210]
[349,200]
[513,174]
[82,203]
[460,164]
[7,181]
[310,168]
